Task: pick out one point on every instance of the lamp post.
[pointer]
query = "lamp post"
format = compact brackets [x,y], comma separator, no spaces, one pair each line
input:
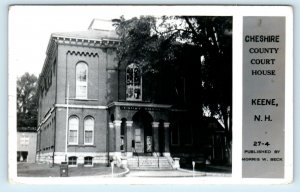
[193,163]
[112,168]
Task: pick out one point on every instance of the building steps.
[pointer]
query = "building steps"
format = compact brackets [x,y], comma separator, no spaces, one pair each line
[149,163]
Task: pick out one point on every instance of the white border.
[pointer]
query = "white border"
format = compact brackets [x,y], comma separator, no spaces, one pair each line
[237,12]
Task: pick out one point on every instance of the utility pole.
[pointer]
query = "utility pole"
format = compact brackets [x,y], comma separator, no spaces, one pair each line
[67,125]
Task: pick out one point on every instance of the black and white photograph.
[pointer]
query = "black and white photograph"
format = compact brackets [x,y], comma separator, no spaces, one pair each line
[150,94]
[121,95]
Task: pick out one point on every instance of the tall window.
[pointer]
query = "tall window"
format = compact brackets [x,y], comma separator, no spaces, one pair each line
[73,130]
[81,80]
[188,135]
[89,130]
[133,83]
[175,134]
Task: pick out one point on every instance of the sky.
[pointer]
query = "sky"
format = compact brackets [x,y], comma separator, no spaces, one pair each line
[30,28]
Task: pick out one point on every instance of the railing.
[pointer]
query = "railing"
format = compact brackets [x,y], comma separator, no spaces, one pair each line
[171,161]
[137,156]
[157,158]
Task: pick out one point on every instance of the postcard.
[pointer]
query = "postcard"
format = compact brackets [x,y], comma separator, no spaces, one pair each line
[150,94]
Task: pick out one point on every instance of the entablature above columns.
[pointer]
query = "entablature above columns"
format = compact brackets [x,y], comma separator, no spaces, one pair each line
[138,105]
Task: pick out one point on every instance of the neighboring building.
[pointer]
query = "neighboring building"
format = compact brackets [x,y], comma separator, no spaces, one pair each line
[26,145]
[105,106]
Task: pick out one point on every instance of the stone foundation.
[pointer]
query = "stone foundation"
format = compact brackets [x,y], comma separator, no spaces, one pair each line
[98,158]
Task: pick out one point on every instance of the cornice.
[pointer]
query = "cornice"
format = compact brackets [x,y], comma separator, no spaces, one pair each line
[76,41]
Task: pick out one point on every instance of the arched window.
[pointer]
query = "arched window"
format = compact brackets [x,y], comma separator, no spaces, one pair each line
[89,123]
[133,83]
[81,80]
[73,130]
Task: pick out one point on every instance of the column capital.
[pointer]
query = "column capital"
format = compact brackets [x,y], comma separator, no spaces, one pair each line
[111,125]
[117,123]
[129,123]
[155,124]
[166,124]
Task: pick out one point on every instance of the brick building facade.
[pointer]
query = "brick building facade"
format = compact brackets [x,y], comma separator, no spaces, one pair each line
[90,107]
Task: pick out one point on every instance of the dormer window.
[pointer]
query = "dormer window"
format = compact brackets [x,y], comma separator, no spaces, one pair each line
[133,83]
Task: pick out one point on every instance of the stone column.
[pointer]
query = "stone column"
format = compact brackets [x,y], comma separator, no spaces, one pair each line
[167,139]
[111,140]
[129,138]
[155,136]
[117,126]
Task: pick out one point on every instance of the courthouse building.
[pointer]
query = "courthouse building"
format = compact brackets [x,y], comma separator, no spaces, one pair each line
[92,108]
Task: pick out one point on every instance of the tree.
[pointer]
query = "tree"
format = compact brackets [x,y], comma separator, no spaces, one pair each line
[27,101]
[188,58]
[192,49]
[191,55]
[216,61]
[140,44]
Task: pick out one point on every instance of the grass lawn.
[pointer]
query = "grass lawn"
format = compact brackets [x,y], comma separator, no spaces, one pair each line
[44,170]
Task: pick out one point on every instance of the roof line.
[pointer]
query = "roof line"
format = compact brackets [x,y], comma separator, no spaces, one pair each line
[89,39]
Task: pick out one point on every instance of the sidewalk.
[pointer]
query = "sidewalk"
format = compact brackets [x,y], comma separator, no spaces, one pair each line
[175,173]
[44,170]
[169,173]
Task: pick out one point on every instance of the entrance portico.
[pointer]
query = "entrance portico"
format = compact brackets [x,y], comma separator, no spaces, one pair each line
[139,128]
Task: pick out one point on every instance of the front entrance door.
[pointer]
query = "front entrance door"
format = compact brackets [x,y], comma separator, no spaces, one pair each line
[148,144]
[142,132]
[138,141]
